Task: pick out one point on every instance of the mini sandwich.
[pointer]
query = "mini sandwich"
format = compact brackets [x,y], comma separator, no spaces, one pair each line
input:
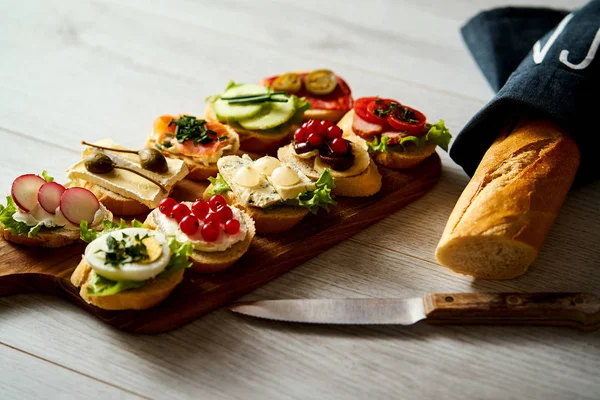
[127,182]
[275,194]
[219,234]
[397,136]
[319,145]
[263,119]
[41,212]
[329,95]
[199,143]
[129,268]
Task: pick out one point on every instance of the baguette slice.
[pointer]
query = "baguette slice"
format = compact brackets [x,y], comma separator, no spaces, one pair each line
[272,220]
[504,214]
[116,203]
[211,262]
[254,141]
[51,239]
[412,156]
[151,294]
[364,184]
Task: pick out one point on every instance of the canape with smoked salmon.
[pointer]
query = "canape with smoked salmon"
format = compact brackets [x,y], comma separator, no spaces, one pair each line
[198,142]
[397,136]
[329,95]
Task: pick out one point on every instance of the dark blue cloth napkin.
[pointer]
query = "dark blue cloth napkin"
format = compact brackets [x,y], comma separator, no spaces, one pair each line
[555,57]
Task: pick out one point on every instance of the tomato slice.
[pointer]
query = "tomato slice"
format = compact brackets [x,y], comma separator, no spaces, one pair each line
[361,109]
[407,119]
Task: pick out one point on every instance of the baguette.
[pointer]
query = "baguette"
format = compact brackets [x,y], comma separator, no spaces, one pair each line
[504,214]
[117,204]
[147,296]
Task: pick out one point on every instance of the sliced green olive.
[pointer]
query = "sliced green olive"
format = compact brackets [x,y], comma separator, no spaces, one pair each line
[321,82]
[289,82]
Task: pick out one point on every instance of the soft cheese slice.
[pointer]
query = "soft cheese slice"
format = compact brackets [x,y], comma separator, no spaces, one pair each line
[126,183]
[262,195]
[287,192]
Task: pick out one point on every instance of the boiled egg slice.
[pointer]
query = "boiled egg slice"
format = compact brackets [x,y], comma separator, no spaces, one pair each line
[156,245]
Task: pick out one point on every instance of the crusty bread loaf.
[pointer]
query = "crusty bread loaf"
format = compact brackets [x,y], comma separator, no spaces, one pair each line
[272,220]
[504,214]
[147,296]
[410,157]
[114,202]
[211,262]
[364,184]
[254,141]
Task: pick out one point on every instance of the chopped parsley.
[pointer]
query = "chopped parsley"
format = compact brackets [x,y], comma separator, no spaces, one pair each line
[394,109]
[188,127]
[125,250]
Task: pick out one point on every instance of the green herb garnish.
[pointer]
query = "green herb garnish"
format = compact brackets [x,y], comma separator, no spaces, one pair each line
[191,128]
[125,250]
[397,110]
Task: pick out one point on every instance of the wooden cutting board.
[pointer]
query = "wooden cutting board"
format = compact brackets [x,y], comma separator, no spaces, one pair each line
[24,269]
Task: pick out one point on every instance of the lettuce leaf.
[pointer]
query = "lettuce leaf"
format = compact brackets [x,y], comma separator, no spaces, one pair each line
[302,105]
[101,286]
[47,177]
[179,255]
[219,185]
[321,197]
[7,221]
[438,134]
[89,235]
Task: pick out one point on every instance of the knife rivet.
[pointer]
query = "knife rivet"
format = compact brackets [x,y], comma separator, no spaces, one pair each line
[513,300]
[449,299]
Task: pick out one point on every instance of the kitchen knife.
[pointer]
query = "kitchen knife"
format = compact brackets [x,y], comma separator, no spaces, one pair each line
[577,310]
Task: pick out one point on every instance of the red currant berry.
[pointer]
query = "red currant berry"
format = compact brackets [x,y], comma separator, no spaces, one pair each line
[200,209]
[315,140]
[300,135]
[217,201]
[210,232]
[180,211]
[319,129]
[304,125]
[189,225]
[213,217]
[333,132]
[312,124]
[232,226]
[225,213]
[166,205]
[326,124]
[339,146]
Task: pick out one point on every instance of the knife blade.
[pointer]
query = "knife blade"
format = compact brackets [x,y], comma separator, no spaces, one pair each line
[577,310]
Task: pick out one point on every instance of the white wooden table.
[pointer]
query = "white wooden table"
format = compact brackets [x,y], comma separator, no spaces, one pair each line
[71,70]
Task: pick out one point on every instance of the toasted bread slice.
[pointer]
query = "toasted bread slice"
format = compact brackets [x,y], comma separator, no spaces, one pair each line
[46,238]
[255,141]
[271,220]
[147,296]
[211,262]
[199,171]
[410,157]
[114,202]
[363,184]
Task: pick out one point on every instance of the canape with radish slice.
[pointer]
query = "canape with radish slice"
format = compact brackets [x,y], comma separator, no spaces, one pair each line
[49,196]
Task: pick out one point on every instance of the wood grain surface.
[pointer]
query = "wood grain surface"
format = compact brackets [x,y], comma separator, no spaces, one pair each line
[26,269]
[88,69]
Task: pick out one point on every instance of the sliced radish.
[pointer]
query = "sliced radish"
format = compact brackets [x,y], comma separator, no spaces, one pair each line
[78,204]
[24,191]
[49,196]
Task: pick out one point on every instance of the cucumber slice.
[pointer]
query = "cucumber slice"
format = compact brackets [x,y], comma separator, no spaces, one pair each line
[234,112]
[273,114]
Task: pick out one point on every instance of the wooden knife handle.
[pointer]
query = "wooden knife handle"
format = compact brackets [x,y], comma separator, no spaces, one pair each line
[577,310]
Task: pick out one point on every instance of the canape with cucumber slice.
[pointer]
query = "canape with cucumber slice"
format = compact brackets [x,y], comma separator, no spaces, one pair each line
[263,118]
